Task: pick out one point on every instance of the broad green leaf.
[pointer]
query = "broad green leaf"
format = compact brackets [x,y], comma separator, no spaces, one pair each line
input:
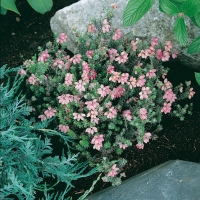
[196,19]
[194,47]
[197,77]
[9,5]
[169,7]
[3,11]
[179,0]
[41,6]
[180,31]
[191,7]
[135,10]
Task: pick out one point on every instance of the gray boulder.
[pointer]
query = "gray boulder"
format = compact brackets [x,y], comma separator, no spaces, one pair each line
[173,180]
[154,24]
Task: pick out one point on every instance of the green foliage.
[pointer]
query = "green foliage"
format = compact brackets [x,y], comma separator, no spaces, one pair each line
[179,8]
[194,46]
[26,160]
[135,10]
[40,6]
[180,31]
[197,76]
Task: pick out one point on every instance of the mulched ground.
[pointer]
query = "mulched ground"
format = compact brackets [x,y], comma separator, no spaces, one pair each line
[20,37]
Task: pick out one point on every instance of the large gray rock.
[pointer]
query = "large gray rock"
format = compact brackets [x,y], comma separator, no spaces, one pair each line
[153,24]
[173,180]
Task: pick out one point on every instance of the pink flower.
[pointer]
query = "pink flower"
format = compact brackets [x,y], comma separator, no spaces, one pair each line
[165,56]
[128,115]
[113,171]
[114,5]
[91,28]
[50,112]
[103,91]
[166,108]
[106,26]
[168,46]
[93,114]
[92,74]
[150,51]
[145,92]
[22,72]
[65,98]
[63,128]
[132,82]
[110,69]
[154,42]
[111,113]
[115,76]
[117,92]
[191,93]
[143,54]
[68,79]
[166,85]
[159,54]
[123,78]
[118,35]
[147,137]
[97,141]
[169,96]
[143,113]
[141,81]
[151,73]
[32,79]
[92,105]
[42,117]
[134,45]
[122,58]
[76,58]
[89,53]
[112,54]
[95,120]
[79,116]
[80,86]
[174,55]
[58,63]
[109,104]
[62,38]
[44,56]
[122,146]
[86,67]
[140,145]
[91,130]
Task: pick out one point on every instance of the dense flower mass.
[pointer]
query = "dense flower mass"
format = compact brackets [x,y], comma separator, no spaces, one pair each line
[109,94]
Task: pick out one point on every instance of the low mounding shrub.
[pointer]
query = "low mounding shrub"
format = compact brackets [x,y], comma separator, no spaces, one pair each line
[26,161]
[111,94]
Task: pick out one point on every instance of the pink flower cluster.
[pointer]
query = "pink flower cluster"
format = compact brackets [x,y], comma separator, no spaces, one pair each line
[22,72]
[59,63]
[76,58]
[103,91]
[147,137]
[44,56]
[80,86]
[122,146]
[91,28]
[145,92]
[122,58]
[49,113]
[62,38]
[128,115]
[169,96]
[65,98]
[166,108]
[117,35]
[92,105]
[140,145]
[191,93]
[79,116]
[68,79]
[151,73]
[106,26]
[113,171]
[97,141]
[143,113]
[111,113]
[63,128]
[32,79]
[117,92]
[91,130]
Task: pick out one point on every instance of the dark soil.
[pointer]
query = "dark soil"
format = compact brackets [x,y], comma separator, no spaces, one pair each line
[178,139]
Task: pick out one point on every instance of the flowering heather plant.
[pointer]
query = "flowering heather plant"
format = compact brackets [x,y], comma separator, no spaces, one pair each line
[110,95]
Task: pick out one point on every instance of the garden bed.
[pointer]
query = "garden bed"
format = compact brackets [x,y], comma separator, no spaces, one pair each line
[20,37]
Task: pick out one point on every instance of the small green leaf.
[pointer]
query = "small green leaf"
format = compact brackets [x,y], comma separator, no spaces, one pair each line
[135,10]
[169,7]
[180,31]
[9,5]
[84,143]
[3,11]
[41,6]
[111,125]
[191,7]
[196,19]
[197,77]
[194,47]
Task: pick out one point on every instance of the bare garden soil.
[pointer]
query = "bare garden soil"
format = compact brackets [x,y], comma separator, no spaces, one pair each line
[21,35]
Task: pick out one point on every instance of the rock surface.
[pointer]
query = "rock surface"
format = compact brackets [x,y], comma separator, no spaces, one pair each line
[153,24]
[173,180]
